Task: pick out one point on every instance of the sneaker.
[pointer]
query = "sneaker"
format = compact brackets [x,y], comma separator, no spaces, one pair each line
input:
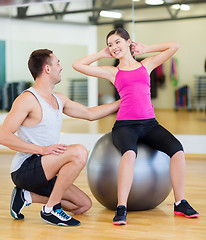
[17,203]
[120,216]
[185,209]
[58,217]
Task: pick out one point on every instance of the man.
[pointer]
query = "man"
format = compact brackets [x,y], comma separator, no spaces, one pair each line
[43,170]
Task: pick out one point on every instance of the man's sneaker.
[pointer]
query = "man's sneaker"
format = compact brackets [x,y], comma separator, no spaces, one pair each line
[17,203]
[185,209]
[120,216]
[58,217]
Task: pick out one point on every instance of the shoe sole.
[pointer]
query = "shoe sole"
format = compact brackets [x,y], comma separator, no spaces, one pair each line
[187,216]
[60,224]
[119,223]
[14,214]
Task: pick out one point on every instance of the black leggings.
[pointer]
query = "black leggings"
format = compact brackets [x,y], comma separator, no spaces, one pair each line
[126,134]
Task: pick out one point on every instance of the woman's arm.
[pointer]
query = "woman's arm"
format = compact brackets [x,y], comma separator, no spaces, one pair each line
[166,51]
[84,66]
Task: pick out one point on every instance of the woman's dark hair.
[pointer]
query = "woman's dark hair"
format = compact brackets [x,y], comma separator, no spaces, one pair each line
[119,31]
[38,59]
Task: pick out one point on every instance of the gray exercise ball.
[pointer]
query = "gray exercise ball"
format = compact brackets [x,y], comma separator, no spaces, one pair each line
[106,98]
[151,183]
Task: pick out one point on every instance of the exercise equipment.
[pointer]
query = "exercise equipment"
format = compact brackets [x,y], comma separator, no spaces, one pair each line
[106,98]
[151,184]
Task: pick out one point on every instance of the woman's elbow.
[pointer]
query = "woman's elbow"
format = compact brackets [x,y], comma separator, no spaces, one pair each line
[74,65]
[176,45]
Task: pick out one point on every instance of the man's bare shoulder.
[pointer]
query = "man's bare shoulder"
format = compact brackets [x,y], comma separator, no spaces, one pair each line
[25,99]
[61,95]
[27,96]
[63,98]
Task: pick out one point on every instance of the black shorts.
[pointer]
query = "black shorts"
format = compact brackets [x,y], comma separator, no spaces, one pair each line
[30,176]
[127,133]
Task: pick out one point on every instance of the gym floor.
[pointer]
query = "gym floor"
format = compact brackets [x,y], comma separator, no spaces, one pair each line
[158,223]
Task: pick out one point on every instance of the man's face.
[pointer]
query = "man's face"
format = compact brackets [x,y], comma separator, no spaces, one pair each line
[55,69]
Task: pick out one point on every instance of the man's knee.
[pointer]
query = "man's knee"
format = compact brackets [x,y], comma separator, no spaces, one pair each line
[79,155]
[87,205]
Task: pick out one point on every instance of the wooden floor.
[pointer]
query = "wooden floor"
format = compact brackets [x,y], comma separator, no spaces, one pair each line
[156,224]
[159,223]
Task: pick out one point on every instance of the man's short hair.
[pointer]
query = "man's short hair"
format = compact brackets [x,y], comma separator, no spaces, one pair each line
[37,60]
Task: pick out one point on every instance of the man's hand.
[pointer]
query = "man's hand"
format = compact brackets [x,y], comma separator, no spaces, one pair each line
[54,149]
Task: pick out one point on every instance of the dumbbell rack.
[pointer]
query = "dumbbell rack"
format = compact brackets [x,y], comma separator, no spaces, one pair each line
[199,93]
[78,91]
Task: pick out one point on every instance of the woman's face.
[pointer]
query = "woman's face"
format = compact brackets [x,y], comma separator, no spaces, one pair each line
[118,46]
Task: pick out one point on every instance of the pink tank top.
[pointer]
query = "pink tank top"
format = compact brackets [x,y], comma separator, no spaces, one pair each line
[133,87]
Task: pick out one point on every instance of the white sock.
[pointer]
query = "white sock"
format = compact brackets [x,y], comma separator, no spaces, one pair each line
[27,196]
[177,203]
[47,209]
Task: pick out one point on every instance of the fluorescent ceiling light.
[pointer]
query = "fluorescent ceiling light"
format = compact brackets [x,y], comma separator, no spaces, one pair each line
[111,14]
[135,0]
[183,7]
[154,2]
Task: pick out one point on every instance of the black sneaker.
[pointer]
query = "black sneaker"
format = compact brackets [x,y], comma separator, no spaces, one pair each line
[58,217]
[120,216]
[185,209]
[17,203]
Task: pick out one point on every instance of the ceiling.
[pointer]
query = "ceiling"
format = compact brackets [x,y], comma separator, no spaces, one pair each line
[87,12]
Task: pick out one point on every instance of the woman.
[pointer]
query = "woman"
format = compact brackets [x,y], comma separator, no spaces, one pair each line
[136,119]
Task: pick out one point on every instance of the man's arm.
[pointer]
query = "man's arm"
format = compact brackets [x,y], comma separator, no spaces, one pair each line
[20,111]
[77,110]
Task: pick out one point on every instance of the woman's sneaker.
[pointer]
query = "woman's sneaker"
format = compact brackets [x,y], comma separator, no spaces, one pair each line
[120,216]
[18,202]
[58,217]
[185,209]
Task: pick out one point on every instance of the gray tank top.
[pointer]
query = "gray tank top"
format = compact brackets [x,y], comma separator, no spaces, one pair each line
[45,133]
